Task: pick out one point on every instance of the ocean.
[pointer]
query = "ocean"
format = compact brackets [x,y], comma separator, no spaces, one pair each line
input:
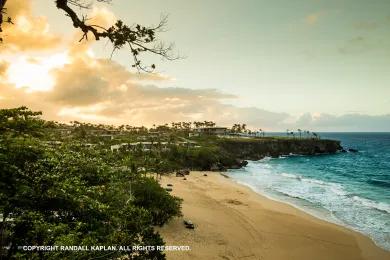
[350,189]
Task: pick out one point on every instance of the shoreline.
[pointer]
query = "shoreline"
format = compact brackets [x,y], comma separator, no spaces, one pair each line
[232,221]
[312,213]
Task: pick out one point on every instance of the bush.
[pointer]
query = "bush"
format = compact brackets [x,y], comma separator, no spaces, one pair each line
[151,196]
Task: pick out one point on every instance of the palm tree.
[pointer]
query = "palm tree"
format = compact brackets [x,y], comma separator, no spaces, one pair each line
[262,131]
[317,136]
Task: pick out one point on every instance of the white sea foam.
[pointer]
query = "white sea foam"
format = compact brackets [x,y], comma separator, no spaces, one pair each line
[290,175]
[372,204]
[314,196]
[315,181]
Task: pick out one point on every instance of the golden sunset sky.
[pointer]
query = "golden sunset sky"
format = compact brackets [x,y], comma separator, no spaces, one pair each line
[322,65]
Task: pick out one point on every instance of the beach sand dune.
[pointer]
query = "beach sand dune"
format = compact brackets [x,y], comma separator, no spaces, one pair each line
[233,222]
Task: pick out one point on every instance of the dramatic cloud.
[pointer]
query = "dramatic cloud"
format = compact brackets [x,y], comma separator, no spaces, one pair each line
[72,84]
[86,88]
[28,32]
[101,90]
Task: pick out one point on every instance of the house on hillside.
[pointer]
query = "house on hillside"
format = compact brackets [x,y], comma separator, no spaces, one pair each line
[215,130]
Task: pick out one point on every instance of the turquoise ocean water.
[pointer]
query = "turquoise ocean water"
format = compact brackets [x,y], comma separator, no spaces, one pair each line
[350,189]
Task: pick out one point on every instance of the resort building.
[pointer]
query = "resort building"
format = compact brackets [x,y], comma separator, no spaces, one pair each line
[212,130]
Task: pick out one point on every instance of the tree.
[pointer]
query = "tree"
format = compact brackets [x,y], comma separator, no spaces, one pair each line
[300,133]
[72,195]
[316,136]
[243,127]
[138,38]
[3,19]
[262,132]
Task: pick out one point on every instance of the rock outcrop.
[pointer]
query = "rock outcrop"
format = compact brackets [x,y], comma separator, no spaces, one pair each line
[256,149]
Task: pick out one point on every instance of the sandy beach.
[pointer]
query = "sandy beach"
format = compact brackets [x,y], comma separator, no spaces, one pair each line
[233,222]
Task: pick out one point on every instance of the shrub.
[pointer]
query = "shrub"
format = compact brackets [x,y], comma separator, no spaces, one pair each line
[151,196]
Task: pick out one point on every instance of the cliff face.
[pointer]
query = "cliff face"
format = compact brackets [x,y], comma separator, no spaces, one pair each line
[258,149]
[219,154]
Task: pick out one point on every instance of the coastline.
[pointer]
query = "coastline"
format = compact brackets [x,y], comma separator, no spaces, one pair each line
[234,222]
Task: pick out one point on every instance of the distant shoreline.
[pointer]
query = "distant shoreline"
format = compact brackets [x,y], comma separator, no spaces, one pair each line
[233,221]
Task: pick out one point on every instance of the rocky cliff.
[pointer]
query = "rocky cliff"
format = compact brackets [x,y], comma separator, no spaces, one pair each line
[255,149]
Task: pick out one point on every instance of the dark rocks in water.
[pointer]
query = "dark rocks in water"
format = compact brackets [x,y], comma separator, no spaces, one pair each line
[168,189]
[244,163]
[188,224]
[169,185]
[205,174]
[343,150]
[184,179]
[352,150]
[239,164]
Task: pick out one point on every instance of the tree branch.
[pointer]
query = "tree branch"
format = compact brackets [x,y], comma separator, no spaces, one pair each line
[140,39]
[2,13]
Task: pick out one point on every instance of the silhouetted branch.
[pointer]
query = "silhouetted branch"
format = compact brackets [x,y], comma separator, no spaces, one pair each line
[140,39]
[2,20]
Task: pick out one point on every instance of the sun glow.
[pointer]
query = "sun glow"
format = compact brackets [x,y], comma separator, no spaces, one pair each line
[35,73]
[23,23]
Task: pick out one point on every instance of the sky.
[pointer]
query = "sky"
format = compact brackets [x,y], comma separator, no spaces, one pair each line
[321,65]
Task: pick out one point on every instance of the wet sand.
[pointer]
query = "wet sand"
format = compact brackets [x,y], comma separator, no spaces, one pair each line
[233,222]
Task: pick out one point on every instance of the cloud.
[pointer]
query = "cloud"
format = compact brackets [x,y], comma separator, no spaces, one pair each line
[3,69]
[18,7]
[313,18]
[87,81]
[347,122]
[102,17]
[101,90]
[81,87]
[28,32]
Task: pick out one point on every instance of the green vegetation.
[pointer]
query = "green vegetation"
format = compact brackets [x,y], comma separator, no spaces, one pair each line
[73,195]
